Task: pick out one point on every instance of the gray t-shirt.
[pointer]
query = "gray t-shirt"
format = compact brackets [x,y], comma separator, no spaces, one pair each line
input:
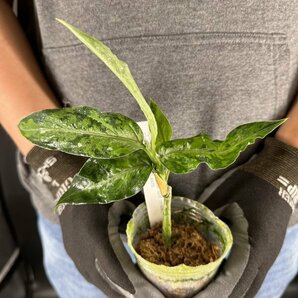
[210,65]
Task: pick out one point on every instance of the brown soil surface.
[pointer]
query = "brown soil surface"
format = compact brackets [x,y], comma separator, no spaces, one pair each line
[188,247]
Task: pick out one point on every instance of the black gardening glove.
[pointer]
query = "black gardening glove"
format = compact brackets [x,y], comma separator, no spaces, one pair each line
[265,192]
[85,230]
[55,169]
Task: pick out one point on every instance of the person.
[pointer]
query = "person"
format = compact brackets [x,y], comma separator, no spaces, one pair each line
[211,65]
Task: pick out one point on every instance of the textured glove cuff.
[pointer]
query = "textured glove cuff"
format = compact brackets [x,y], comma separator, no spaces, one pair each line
[55,169]
[277,164]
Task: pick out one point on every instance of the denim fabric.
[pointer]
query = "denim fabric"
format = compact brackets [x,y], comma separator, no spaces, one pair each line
[69,283]
[60,269]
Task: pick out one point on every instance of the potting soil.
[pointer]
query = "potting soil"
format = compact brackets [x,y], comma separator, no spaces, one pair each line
[188,247]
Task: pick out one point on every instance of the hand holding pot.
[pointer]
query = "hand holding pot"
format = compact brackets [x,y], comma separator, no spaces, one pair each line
[85,230]
[91,245]
[265,189]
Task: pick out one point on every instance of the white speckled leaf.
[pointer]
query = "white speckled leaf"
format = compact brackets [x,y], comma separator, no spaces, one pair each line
[83,131]
[119,68]
[105,181]
[185,155]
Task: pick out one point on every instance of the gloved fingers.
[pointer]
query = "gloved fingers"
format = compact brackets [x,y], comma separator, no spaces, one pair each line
[267,236]
[257,267]
[257,283]
[85,235]
[143,288]
[233,268]
[110,284]
[246,281]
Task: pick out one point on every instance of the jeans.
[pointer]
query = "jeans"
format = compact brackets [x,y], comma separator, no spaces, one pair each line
[69,283]
[60,269]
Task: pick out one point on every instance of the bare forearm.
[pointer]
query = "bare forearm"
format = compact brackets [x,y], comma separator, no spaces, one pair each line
[288,132]
[23,88]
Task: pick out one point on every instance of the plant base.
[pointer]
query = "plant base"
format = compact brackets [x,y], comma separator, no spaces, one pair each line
[181,280]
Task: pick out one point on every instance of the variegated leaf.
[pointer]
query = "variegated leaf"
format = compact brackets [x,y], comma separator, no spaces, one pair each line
[185,155]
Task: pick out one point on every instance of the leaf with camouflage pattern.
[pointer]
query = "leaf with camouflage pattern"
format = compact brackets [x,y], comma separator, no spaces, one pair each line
[102,181]
[83,131]
[185,155]
[120,69]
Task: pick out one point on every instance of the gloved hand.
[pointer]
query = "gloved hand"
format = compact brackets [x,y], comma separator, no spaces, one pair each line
[265,189]
[55,169]
[85,230]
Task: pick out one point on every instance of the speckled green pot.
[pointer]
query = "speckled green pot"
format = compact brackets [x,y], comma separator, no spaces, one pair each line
[181,280]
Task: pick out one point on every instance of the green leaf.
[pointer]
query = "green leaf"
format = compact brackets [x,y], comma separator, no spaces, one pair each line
[83,131]
[120,69]
[105,181]
[164,132]
[184,155]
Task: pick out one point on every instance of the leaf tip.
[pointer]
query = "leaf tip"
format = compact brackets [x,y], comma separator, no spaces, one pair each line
[60,21]
[284,120]
[64,23]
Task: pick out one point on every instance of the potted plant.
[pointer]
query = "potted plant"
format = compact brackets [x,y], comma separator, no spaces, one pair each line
[120,162]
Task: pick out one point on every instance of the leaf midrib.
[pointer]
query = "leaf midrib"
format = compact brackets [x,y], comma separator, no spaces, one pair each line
[84,132]
[188,151]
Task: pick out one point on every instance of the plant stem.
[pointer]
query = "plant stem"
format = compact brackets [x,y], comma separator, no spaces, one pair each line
[155,159]
[167,221]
